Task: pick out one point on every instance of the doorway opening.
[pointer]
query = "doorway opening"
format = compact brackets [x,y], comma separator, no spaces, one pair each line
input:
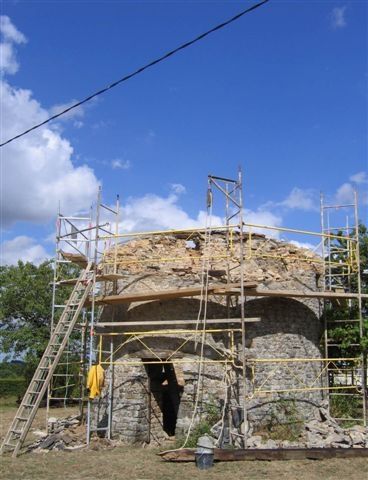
[164,396]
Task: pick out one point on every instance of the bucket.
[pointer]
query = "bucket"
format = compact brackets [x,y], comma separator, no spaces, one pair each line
[205,453]
[204,460]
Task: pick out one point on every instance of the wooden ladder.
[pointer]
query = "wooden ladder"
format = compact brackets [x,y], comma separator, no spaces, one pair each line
[27,410]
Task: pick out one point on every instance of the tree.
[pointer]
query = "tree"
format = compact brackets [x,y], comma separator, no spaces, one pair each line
[25,309]
[349,333]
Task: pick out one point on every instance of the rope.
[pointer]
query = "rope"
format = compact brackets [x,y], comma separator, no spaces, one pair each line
[226,399]
[203,301]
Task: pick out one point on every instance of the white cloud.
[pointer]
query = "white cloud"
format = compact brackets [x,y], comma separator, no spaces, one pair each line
[152,212]
[337,17]
[359,178]
[309,246]
[118,164]
[10,36]
[22,248]
[345,194]
[8,62]
[178,188]
[265,218]
[300,199]
[37,170]
[9,31]
[76,114]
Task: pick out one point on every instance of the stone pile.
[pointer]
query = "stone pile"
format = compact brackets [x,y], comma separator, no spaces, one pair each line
[321,432]
[326,432]
[65,434]
[174,261]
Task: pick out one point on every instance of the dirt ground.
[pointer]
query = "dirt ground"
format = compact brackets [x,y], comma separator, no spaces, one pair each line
[143,464]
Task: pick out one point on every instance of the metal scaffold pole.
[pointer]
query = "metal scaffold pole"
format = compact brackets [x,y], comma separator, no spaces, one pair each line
[360,311]
[93,305]
[233,193]
[342,272]
[242,306]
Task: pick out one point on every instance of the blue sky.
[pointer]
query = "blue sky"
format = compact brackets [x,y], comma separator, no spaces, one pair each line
[282,92]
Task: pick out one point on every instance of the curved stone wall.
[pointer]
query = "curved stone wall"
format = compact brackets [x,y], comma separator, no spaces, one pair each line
[289,329]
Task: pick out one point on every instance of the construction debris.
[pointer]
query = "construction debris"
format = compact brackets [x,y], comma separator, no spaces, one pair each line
[321,432]
[65,434]
[325,432]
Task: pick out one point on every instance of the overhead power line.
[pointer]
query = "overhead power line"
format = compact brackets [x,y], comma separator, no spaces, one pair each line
[139,70]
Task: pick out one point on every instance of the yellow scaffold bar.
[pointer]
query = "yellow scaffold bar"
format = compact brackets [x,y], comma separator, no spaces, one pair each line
[226,227]
[170,332]
[159,361]
[288,360]
[304,389]
[222,257]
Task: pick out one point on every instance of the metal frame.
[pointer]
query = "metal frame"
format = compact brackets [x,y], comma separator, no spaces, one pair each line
[98,243]
[339,275]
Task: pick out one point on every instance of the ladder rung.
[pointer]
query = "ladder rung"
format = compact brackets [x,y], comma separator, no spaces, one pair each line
[10,444]
[22,419]
[16,432]
[28,405]
[32,392]
[39,379]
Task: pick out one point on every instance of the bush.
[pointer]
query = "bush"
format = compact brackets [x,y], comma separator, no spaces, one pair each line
[346,406]
[211,415]
[12,369]
[12,386]
[284,422]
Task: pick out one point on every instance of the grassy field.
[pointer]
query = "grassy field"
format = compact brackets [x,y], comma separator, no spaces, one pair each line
[143,464]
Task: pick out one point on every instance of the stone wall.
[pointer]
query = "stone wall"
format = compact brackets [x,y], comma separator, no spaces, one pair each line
[147,397]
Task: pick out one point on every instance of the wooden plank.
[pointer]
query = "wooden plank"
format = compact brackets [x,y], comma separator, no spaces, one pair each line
[249,287]
[106,277]
[76,258]
[255,292]
[227,455]
[67,281]
[159,323]
[161,294]
[150,295]
[109,277]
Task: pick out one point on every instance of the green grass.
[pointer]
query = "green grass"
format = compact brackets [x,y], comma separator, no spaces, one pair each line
[8,402]
[136,463]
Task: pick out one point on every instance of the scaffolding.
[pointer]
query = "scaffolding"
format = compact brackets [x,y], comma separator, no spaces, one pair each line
[94,240]
[342,273]
[73,243]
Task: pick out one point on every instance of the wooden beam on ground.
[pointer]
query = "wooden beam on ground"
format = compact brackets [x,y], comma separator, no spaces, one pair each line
[159,323]
[227,455]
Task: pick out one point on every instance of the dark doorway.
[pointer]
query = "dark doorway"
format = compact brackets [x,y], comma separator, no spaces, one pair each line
[166,393]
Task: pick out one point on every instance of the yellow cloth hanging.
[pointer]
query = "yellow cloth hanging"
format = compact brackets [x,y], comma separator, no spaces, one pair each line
[95,380]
